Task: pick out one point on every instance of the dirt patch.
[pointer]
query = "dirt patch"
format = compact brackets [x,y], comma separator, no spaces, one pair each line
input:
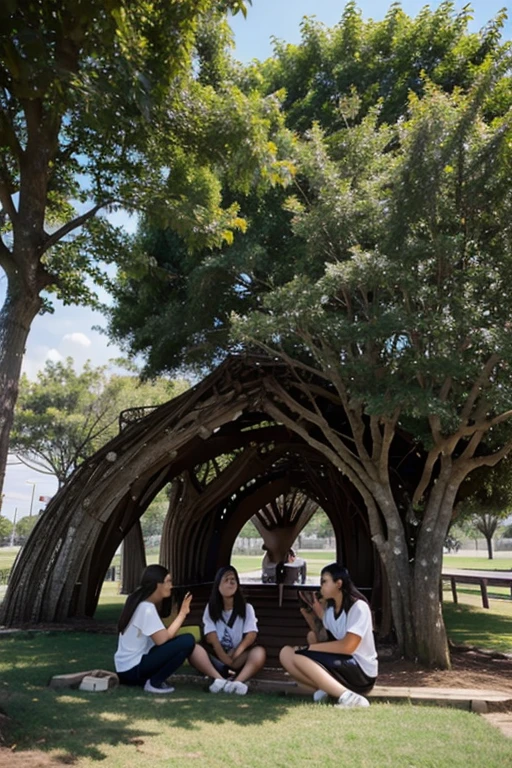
[471,668]
[11,758]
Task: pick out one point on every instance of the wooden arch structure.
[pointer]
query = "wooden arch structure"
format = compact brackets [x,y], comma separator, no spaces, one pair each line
[61,569]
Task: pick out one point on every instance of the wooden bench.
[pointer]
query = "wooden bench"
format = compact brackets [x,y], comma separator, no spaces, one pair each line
[481,578]
[278,625]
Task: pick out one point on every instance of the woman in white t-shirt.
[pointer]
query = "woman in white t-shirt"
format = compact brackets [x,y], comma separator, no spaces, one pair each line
[345,666]
[148,652]
[230,627]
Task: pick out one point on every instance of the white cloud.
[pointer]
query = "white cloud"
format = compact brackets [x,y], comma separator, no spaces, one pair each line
[78,338]
[54,355]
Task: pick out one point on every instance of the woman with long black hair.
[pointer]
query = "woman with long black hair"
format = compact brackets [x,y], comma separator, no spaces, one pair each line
[345,666]
[231,628]
[148,652]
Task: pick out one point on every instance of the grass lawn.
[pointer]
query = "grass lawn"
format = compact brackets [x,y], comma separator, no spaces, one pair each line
[471,624]
[126,728]
[501,563]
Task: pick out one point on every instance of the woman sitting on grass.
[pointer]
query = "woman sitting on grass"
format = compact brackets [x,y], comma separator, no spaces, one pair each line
[230,628]
[148,652]
[344,666]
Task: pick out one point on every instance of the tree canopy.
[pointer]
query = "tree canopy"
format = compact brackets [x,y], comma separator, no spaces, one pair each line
[331,80]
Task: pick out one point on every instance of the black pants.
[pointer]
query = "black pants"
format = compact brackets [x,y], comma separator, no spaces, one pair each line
[161,661]
[344,668]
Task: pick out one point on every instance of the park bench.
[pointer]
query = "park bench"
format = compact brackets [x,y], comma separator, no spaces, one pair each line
[481,578]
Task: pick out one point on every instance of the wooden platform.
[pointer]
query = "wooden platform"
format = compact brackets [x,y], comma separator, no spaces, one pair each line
[477,700]
[284,625]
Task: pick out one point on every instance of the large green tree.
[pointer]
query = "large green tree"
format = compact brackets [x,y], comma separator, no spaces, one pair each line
[391,279]
[407,324]
[107,103]
[332,78]
[63,417]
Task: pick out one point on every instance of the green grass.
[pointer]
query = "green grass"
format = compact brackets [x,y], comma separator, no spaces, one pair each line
[126,728]
[316,559]
[479,563]
[481,627]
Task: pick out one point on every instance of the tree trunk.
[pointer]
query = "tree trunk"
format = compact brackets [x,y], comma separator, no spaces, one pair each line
[16,317]
[431,638]
[489,547]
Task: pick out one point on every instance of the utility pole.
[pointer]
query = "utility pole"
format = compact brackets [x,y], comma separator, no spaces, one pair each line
[33,492]
[13,526]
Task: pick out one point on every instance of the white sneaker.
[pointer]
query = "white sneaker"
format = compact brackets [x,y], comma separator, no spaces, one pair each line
[320,696]
[350,699]
[163,688]
[218,685]
[235,686]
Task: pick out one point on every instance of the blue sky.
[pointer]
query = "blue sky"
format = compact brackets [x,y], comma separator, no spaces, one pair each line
[69,331]
[281,19]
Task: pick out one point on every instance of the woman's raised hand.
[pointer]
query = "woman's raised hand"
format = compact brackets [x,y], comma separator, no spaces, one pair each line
[185,606]
[317,607]
[304,596]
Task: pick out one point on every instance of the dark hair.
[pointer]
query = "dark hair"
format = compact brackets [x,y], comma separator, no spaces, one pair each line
[151,577]
[291,553]
[348,589]
[216,602]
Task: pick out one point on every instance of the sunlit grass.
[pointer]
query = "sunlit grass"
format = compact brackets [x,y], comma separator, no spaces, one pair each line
[126,728]
[501,562]
[470,624]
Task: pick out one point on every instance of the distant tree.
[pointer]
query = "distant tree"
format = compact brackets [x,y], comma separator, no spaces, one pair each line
[5,530]
[24,527]
[63,417]
[249,531]
[487,499]
[320,525]
[153,519]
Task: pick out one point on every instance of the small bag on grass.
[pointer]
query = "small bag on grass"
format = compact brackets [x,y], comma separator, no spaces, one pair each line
[74,680]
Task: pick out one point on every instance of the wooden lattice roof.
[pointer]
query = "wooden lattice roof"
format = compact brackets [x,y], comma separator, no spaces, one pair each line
[63,565]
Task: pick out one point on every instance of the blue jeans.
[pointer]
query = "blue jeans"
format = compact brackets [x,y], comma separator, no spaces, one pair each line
[161,661]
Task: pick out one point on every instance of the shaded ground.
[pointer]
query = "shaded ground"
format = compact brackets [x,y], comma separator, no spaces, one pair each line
[470,669]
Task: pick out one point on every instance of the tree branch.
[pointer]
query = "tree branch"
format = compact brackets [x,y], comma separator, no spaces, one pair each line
[426,475]
[8,206]
[6,258]
[345,454]
[477,386]
[389,433]
[489,461]
[471,447]
[376,437]
[8,134]
[73,224]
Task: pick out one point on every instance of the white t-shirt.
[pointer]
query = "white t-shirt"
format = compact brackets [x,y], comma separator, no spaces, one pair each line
[230,637]
[135,641]
[358,620]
